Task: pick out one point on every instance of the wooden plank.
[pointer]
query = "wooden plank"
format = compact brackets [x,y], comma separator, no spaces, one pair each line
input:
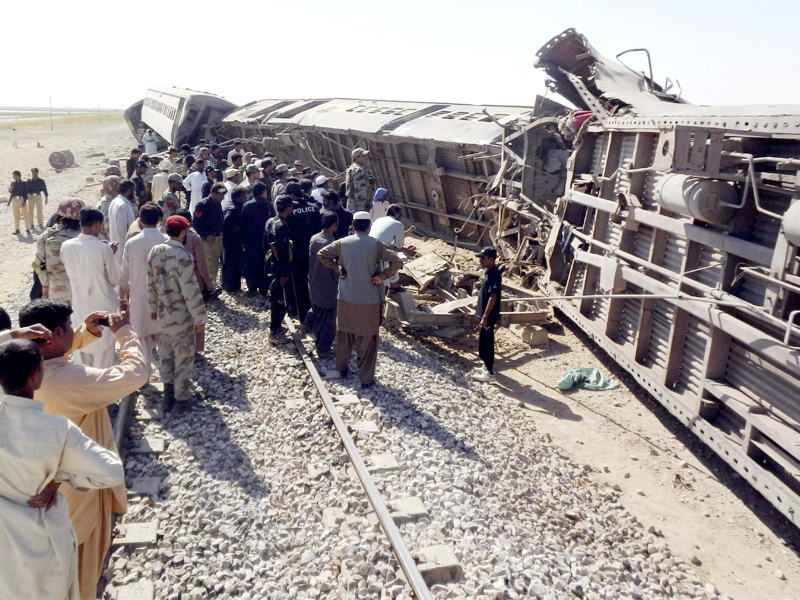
[460,304]
[424,269]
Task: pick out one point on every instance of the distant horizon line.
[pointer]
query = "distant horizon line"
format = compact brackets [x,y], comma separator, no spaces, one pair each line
[60,108]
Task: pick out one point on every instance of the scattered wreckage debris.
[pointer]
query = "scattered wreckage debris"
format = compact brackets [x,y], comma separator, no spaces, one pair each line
[446,298]
[669,232]
[61,160]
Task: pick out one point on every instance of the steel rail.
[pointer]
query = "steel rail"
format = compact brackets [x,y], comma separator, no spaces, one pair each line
[120,422]
[402,554]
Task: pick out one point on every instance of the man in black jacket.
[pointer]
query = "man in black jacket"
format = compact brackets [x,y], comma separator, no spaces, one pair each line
[280,263]
[233,241]
[207,222]
[330,201]
[304,223]
[255,214]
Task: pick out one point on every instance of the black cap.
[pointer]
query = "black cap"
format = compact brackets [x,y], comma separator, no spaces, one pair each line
[293,189]
[488,251]
[35,169]
[141,163]
[210,169]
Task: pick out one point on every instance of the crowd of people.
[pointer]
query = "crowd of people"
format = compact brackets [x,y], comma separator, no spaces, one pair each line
[121,288]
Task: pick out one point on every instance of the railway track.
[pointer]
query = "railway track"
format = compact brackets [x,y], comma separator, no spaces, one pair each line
[251,495]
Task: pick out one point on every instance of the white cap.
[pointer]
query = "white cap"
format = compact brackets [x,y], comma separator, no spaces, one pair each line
[362,215]
[321,180]
[163,166]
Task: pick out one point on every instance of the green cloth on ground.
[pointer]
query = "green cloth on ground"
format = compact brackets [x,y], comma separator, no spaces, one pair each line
[587,378]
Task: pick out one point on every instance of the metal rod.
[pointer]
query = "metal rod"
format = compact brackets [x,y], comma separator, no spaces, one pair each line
[407,563]
[755,273]
[751,178]
[749,308]
[119,422]
[615,296]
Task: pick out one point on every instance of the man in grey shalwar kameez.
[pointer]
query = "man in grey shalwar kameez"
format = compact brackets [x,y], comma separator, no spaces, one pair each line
[357,258]
[323,286]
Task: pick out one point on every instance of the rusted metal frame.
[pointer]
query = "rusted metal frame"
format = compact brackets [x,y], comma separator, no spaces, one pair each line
[715,363]
[398,169]
[677,334]
[438,186]
[601,224]
[782,357]
[775,491]
[641,158]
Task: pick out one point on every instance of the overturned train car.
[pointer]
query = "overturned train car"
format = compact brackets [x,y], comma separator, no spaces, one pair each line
[667,231]
[678,236]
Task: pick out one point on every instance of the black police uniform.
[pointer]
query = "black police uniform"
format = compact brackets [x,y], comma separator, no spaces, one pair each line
[492,282]
[304,222]
[278,234]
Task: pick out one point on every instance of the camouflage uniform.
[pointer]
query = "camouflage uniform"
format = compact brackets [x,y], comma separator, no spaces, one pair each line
[48,265]
[278,187]
[170,205]
[102,206]
[360,187]
[175,297]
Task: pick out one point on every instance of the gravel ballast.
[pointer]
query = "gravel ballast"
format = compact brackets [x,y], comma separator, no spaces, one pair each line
[246,476]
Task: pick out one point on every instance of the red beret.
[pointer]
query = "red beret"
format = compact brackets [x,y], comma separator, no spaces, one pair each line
[178,222]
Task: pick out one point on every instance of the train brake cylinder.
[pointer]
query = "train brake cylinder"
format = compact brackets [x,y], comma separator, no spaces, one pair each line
[708,200]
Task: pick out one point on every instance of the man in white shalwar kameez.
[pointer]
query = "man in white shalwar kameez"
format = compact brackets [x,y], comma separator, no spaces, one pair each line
[93,273]
[39,551]
[121,214]
[150,140]
[133,282]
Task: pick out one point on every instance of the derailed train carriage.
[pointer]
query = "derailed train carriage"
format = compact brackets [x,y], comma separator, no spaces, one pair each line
[667,231]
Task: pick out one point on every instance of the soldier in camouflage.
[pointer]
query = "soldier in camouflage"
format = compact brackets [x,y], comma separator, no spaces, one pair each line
[169,202]
[47,264]
[359,182]
[177,304]
[282,178]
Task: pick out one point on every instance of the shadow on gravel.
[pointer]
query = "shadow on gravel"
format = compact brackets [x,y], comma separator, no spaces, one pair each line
[205,429]
[761,508]
[237,320]
[404,414]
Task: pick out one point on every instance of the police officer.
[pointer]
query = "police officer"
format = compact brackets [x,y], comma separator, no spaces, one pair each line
[279,244]
[255,214]
[305,221]
[36,188]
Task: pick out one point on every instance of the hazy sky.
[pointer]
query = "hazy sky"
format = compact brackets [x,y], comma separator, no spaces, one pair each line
[88,52]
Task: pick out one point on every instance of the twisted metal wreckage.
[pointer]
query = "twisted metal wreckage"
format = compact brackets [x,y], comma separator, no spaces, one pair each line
[667,231]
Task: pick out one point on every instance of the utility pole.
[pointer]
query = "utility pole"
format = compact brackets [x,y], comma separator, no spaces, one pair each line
[51,113]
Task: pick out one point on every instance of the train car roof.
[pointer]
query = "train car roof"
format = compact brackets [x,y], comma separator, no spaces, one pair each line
[254,110]
[367,116]
[463,123]
[183,93]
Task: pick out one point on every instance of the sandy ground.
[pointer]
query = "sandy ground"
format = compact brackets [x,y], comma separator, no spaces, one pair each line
[669,478]
[84,138]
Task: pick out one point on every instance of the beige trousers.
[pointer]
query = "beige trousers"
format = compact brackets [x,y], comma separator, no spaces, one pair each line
[149,343]
[92,552]
[35,204]
[213,250]
[20,211]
